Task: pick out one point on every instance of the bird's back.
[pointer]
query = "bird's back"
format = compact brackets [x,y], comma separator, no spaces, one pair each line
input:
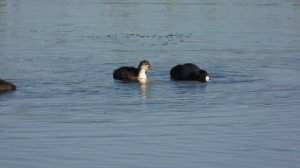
[126,73]
[184,72]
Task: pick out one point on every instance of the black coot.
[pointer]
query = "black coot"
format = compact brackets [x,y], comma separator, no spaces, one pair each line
[131,73]
[189,72]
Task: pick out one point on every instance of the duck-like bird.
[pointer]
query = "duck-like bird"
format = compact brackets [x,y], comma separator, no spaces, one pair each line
[188,72]
[133,74]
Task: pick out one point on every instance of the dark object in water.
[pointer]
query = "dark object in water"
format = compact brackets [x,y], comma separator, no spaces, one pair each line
[131,73]
[6,86]
[188,72]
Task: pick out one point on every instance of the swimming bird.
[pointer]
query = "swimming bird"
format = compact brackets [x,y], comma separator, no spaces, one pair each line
[6,86]
[133,74]
[188,72]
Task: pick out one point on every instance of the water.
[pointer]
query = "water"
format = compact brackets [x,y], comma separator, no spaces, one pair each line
[69,112]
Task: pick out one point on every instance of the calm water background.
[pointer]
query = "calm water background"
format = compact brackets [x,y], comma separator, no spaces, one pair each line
[69,112]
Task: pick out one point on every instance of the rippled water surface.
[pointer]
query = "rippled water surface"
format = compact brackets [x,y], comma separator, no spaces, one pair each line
[69,112]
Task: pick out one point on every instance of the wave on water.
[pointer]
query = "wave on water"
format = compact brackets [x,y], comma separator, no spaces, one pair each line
[233,77]
[145,39]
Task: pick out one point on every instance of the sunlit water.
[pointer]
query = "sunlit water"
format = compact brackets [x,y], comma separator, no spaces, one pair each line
[69,112]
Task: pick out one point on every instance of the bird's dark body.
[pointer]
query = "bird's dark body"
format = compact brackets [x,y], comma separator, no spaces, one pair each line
[126,73]
[188,72]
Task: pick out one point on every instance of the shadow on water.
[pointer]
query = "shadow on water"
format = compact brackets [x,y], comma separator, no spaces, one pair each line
[189,86]
[6,92]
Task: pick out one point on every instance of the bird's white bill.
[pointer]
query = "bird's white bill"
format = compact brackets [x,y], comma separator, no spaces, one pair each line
[207,78]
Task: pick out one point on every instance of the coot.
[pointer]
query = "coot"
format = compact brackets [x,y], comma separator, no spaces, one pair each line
[188,72]
[133,74]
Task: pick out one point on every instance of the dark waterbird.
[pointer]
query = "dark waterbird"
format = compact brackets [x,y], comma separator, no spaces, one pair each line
[6,86]
[126,73]
[188,72]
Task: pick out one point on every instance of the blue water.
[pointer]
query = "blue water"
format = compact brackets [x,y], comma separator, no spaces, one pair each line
[69,112]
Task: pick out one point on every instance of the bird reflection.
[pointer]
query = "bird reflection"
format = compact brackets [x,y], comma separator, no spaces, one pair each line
[144,90]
